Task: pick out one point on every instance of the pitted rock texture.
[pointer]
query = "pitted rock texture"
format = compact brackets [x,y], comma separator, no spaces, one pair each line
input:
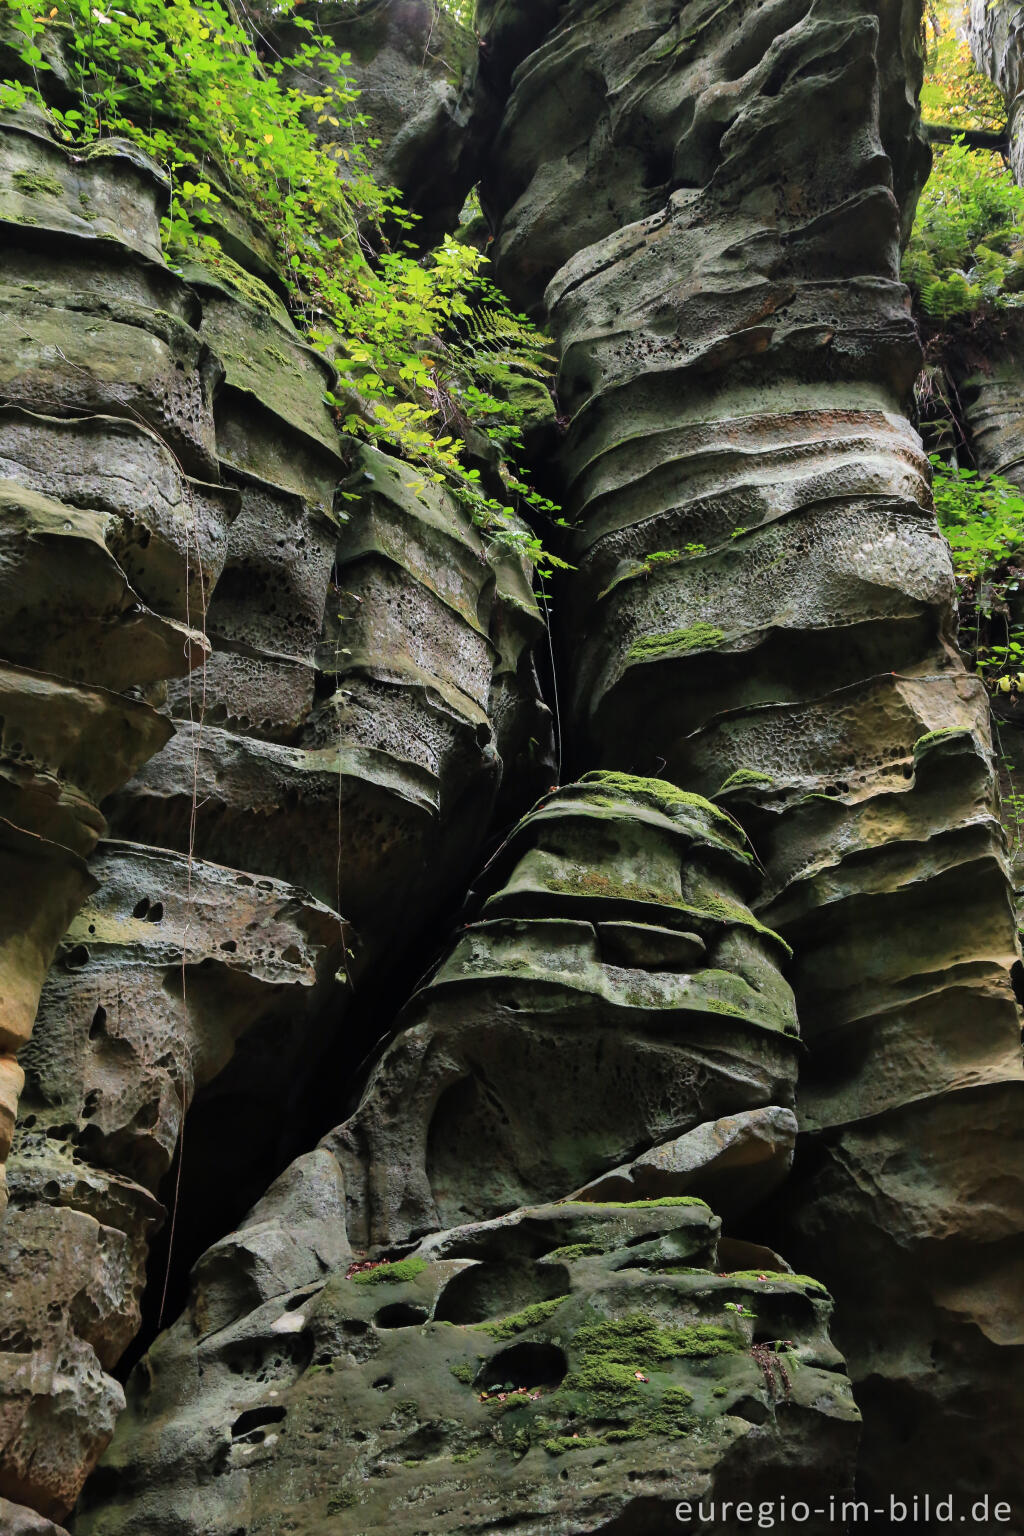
[616,960]
[617,963]
[705,205]
[764,601]
[620,107]
[105,392]
[567,1366]
[165,967]
[371,679]
[343,675]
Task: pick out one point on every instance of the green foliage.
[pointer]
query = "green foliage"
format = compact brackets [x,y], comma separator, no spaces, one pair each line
[427,345]
[955,93]
[982,518]
[966,252]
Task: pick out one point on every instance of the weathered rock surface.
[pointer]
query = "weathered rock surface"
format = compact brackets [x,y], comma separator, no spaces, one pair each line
[740,1158]
[766,604]
[550,1359]
[994,32]
[564,1367]
[103,357]
[493,1298]
[616,962]
[19,1521]
[370,678]
[341,678]
[424,94]
[166,966]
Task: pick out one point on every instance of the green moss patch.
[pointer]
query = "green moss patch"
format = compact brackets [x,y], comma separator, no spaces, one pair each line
[659,793]
[390,1274]
[744,777]
[932,738]
[778,1277]
[677,642]
[593,883]
[639,1205]
[518,1322]
[559,1444]
[32,183]
[338,1502]
[638,1342]
[573,1251]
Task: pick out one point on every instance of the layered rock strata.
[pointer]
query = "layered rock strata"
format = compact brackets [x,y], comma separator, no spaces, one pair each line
[159,974]
[361,680]
[113,533]
[767,612]
[578,1365]
[105,409]
[616,962]
[508,1231]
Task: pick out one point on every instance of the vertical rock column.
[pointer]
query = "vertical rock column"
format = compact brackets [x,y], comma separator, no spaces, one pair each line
[767,612]
[111,535]
[511,1343]
[367,687]
[105,411]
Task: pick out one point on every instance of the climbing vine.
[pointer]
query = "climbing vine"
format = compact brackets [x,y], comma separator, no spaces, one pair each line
[434,363]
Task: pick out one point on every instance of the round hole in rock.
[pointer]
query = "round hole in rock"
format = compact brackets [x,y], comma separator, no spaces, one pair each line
[256,1418]
[383,1384]
[487,1291]
[529,1364]
[401,1314]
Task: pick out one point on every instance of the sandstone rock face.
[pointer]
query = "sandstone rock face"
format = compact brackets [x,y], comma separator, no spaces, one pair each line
[301,685]
[420,85]
[994,32]
[569,1367]
[102,332]
[551,1366]
[372,673]
[156,978]
[108,548]
[618,964]
[342,670]
[767,607]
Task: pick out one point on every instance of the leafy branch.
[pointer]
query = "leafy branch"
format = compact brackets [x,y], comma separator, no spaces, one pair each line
[428,345]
